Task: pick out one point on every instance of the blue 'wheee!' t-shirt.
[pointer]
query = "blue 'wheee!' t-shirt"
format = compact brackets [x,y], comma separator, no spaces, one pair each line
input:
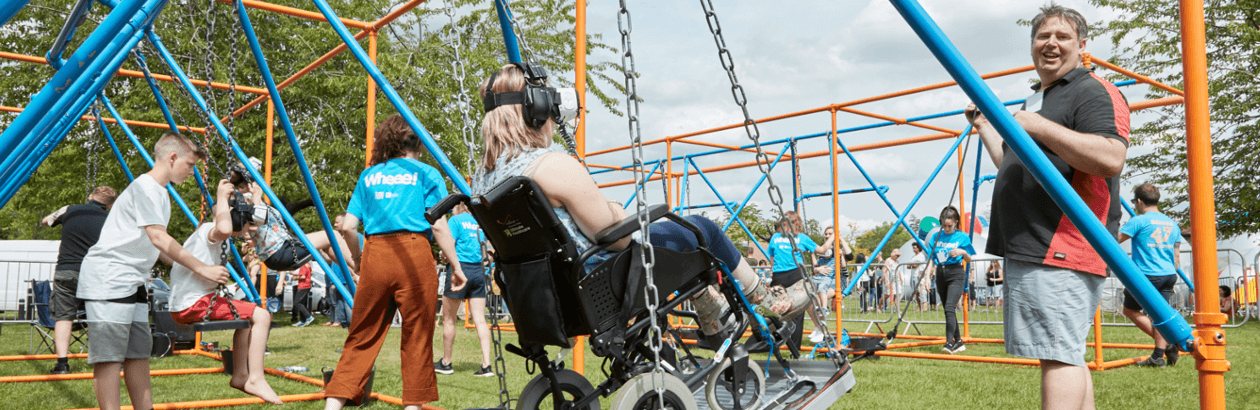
[781,251]
[468,237]
[946,243]
[1154,236]
[393,196]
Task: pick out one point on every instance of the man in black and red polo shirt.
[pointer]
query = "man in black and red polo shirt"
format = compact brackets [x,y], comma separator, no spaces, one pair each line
[1054,278]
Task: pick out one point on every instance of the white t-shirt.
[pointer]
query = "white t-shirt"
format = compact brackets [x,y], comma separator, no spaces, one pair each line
[187,286]
[120,261]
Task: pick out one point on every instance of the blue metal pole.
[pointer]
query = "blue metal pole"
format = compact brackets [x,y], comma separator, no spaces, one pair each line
[405,111]
[51,129]
[754,188]
[112,145]
[9,9]
[796,193]
[59,87]
[241,278]
[305,170]
[1168,321]
[170,121]
[178,72]
[728,205]
[901,216]
[882,188]
[509,36]
[636,192]
[686,172]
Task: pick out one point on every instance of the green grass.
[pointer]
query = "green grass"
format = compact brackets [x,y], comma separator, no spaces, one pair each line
[888,383]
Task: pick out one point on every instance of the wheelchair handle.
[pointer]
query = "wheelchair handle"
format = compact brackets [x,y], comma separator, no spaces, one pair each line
[444,206]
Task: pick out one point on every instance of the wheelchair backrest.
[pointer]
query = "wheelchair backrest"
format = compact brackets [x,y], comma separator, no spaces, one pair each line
[519,221]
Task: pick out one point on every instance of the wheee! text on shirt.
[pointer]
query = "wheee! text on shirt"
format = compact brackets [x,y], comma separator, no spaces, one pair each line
[382,179]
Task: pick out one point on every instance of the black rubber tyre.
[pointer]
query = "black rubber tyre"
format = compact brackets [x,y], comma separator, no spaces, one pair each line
[639,394]
[572,385]
[718,391]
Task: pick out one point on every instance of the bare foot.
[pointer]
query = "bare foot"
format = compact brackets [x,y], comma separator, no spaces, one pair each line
[262,390]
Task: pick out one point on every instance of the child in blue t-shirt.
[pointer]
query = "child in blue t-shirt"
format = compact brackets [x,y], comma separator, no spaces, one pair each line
[950,249]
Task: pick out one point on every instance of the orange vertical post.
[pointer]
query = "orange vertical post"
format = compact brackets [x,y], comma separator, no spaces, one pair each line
[1209,337]
[962,206]
[271,143]
[1098,343]
[579,77]
[668,178]
[371,101]
[838,302]
[579,80]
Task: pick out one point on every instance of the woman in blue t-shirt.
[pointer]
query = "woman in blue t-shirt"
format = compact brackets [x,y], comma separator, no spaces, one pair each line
[950,250]
[787,264]
[397,269]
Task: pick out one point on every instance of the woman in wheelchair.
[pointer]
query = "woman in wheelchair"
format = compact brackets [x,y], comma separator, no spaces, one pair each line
[514,148]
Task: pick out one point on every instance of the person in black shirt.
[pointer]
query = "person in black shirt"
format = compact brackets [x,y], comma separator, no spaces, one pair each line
[81,226]
[1054,278]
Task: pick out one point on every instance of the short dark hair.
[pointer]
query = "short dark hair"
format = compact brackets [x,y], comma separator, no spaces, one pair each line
[915,246]
[1147,192]
[1070,15]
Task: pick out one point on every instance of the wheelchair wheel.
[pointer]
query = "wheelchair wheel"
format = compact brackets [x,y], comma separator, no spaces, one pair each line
[720,392]
[537,395]
[638,394]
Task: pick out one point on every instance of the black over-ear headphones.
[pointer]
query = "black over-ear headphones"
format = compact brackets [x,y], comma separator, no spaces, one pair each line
[538,101]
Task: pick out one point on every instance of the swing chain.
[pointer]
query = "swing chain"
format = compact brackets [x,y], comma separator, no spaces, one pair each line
[648,256]
[763,160]
[91,144]
[525,50]
[463,100]
[144,67]
[232,64]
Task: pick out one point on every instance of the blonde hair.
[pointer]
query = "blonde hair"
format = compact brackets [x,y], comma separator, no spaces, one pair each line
[504,127]
[177,143]
[104,195]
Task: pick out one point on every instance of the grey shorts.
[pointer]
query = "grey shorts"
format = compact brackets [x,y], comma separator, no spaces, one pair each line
[1049,311]
[64,304]
[119,331]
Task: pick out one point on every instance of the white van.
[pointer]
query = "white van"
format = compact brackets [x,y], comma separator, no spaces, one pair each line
[20,263]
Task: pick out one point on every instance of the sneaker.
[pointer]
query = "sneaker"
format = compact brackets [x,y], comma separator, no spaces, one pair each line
[485,371]
[443,368]
[60,368]
[958,347]
[817,337]
[948,348]
[308,321]
[1152,362]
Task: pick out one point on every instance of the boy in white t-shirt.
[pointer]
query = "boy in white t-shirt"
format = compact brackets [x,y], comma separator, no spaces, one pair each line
[112,277]
[192,295]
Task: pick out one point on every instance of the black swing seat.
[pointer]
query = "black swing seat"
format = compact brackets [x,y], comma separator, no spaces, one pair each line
[543,279]
[216,325]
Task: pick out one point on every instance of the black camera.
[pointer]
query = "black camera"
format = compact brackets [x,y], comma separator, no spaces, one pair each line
[243,212]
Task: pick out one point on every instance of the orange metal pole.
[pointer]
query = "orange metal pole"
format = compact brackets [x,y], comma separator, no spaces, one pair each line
[962,205]
[137,74]
[39,357]
[1209,337]
[201,404]
[1098,343]
[371,102]
[579,355]
[271,127]
[109,120]
[730,147]
[900,121]
[295,12]
[1140,78]
[838,303]
[669,170]
[579,77]
[88,376]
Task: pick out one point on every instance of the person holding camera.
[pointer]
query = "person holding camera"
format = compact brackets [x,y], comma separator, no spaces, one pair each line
[193,298]
[273,241]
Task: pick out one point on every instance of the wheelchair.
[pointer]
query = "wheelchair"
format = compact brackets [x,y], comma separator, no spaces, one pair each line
[553,298]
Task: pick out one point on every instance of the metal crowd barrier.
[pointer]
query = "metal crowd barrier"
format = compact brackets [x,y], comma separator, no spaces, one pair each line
[15,301]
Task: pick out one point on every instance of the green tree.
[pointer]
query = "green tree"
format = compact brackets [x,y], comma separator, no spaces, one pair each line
[1147,38]
[327,108]
[867,241]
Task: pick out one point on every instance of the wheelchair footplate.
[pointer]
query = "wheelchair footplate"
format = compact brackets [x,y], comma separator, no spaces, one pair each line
[816,386]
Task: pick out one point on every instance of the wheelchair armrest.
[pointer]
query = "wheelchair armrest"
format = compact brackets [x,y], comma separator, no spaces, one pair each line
[629,225]
[444,206]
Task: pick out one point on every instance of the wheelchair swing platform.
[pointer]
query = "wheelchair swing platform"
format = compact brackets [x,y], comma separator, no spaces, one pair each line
[831,385]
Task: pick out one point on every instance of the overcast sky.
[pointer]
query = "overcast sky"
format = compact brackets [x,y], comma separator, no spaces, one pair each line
[798,55]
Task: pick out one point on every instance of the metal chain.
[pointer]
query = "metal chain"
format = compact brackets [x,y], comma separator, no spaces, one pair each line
[144,66]
[462,98]
[92,147]
[232,63]
[763,160]
[648,255]
[526,53]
